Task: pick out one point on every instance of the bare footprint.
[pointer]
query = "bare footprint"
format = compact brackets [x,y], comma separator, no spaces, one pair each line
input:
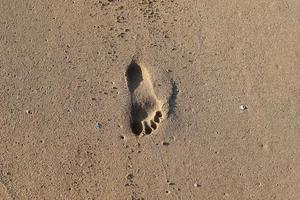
[145,107]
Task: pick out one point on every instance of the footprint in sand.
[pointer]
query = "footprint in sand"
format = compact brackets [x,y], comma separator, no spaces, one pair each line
[146,111]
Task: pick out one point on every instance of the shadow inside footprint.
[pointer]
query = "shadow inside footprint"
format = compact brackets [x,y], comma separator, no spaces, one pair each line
[136,127]
[136,114]
[134,76]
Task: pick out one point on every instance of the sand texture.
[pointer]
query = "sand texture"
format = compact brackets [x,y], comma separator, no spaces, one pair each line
[149,99]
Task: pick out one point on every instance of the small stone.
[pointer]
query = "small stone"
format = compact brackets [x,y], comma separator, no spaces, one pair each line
[165,143]
[130,177]
[122,137]
[28,111]
[196,185]
[98,125]
[259,184]
[226,194]
[243,107]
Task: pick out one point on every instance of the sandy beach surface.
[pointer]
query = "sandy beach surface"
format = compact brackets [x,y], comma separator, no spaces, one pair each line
[150,100]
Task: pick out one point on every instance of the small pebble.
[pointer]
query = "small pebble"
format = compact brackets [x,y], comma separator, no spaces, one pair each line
[243,107]
[196,185]
[98,125]
[226,194]
[130,177]
[165,143]
[28,111]
[259,184]
[122,137]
